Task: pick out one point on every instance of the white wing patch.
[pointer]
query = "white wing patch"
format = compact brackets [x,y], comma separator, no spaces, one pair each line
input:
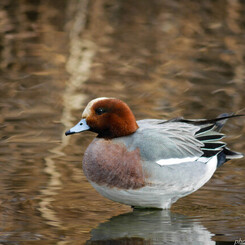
[173,161]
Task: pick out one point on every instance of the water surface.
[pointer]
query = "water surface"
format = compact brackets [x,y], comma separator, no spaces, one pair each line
[165,59]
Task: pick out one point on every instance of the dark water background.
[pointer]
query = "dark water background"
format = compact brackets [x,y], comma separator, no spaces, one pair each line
[165,59]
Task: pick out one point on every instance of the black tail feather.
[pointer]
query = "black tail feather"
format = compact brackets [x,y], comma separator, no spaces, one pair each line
[226,154]
[209,121]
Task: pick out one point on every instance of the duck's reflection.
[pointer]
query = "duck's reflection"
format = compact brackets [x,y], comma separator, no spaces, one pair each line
[150,227]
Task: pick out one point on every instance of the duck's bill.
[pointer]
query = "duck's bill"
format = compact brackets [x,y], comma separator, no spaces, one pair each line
[81,126]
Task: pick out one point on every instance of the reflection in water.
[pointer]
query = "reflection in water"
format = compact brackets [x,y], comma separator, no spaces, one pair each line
[151,227]
[78,68]
[164,58]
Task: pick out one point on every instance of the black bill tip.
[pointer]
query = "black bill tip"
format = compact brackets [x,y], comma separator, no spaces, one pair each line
[69,132]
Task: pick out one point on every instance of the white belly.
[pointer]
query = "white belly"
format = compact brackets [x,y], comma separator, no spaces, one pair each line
[156,196]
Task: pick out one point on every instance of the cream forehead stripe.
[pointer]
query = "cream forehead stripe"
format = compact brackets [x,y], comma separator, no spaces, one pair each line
[87,110]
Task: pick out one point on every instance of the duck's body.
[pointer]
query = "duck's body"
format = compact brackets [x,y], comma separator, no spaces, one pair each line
[157,163]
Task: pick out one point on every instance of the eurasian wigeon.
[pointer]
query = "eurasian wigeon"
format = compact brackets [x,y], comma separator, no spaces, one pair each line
[150,163]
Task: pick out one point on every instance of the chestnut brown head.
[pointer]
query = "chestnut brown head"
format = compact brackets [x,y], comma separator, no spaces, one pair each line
[109,117]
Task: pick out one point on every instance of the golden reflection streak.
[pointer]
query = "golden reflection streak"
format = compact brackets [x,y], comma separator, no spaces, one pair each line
[78,66]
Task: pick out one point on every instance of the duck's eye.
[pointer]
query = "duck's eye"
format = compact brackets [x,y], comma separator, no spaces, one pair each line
[100,111]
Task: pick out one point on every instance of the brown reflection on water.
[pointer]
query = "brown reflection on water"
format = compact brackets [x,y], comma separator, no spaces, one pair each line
[164,58]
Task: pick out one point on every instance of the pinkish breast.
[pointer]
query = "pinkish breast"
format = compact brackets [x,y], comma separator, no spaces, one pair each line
[111,164]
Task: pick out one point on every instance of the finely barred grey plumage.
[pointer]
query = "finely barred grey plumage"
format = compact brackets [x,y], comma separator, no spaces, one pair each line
[192,137]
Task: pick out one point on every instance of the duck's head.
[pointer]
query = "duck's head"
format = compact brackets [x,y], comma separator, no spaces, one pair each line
[108,117]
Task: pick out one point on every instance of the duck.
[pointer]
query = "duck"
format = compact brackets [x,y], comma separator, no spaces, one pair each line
[149,163]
